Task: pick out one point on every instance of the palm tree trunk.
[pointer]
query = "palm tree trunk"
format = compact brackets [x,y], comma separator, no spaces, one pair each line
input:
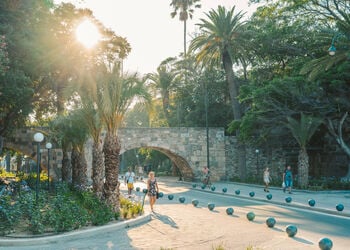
[97,169]
[185,30]
[303,168]
[236,107]
[111,149]
[79,168]
[66,166]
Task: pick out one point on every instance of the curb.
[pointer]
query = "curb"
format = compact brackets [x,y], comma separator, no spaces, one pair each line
[290,205]
[21,241]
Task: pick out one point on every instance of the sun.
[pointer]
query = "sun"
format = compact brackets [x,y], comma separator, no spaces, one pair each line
[87,34]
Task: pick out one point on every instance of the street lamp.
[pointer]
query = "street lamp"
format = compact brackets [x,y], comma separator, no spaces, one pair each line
[48,146]
[206,123]
[257,160]
[38,137]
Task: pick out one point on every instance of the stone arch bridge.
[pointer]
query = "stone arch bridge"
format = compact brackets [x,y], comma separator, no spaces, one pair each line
[186,147]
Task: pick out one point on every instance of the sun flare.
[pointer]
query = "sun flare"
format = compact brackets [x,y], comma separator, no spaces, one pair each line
[87,34]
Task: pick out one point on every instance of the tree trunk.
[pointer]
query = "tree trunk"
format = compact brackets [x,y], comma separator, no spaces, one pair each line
[111,149]
[75,169]
[97,169]
[303,168]
[185,30]
[236,107]
[79,168]
[66,166]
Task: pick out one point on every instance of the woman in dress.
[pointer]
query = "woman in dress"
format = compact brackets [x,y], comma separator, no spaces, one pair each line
[153,189]
[267,179]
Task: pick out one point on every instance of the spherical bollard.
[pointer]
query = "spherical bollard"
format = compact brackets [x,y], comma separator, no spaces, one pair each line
[250,216]
[311,202]
[182,199]
[291,230]
[325,244]
[212,188]
[203,186]
[137,189]
[251,194]
[211,206]
[160,194]
[194,185]
[237,192]
[339,207]
[269,196]
[229,211]
[145,190]
[170,197]
[288,199]
[270,222]
[224,190]
[195,202]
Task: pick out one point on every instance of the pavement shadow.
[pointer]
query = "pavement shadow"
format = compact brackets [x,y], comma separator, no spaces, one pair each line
[301,240]
[165,219]
[277,229]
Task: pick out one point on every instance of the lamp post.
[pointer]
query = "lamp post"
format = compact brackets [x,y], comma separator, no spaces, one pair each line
[257,161]
[48,146]
[206,123]
[38,137]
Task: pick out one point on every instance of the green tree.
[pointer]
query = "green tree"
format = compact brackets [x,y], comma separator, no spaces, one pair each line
[164,81]
[302,129]
[185,11]
[221,41]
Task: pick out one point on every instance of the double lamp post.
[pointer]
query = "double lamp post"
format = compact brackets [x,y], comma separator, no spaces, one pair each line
[38,138]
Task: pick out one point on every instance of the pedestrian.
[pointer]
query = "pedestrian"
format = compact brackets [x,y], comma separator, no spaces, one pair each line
[153,189]
[129,180]
[140,170]
[288,179]
[267,179]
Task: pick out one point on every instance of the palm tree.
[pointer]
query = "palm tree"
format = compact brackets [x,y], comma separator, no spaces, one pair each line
[117,92]
[184,7]
[302,130]
[221,42]
[90,115]
[164,80]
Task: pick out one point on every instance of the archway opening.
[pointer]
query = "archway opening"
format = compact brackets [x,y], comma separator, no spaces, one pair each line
[142,160]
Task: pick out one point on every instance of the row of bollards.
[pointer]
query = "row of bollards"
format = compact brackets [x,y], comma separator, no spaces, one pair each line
[291,230]
[339,207]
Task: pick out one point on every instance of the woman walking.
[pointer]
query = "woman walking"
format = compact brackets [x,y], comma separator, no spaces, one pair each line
[267,179]
[153,189]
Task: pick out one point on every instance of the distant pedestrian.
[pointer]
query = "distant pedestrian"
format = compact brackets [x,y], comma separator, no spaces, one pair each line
[129,180]
[140,170]
[288,179]
[153,189]
[267,179]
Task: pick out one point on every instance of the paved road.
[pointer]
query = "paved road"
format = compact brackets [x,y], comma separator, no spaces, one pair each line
[182,226]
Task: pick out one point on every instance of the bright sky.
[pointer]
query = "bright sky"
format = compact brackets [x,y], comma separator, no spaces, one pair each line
[149,28]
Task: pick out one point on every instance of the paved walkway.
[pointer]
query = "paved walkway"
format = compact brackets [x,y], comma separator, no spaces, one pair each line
[180,226]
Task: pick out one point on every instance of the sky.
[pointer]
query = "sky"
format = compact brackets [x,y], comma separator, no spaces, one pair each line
[149,28]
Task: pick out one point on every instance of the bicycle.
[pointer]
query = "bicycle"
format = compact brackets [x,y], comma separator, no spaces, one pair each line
[206,181]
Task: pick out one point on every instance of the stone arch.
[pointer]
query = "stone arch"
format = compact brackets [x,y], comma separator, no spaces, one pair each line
[184,167]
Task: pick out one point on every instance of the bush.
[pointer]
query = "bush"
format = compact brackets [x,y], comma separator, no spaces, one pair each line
[129,209]
[65,210]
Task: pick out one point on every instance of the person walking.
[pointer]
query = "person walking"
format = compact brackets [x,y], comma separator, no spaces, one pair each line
[267,179]
[129,180]
[152,187]
[288,179]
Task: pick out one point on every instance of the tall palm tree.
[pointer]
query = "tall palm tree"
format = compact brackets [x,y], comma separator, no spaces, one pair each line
[302,130]
[117,93]
[184,7]
[221,42]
